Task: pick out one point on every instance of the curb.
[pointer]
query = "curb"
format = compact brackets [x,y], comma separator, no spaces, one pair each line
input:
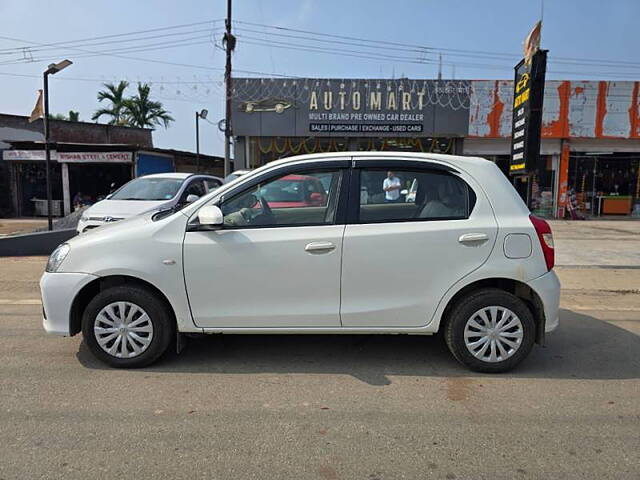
[38,243]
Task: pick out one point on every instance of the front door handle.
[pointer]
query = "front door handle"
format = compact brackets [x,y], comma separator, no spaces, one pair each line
[320,247]
[473,237]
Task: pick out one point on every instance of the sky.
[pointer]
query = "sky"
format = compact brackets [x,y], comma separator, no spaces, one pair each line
[478,39]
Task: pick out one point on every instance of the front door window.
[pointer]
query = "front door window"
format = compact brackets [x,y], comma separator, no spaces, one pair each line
[309,198]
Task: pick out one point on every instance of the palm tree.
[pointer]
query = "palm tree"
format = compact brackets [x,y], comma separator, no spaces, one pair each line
[117,110]
[72,117]
[143,112]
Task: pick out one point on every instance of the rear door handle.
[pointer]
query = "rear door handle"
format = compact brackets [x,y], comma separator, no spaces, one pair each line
[320,247]
[473,237]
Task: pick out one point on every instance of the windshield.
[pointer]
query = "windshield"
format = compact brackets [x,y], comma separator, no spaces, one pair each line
[149,189]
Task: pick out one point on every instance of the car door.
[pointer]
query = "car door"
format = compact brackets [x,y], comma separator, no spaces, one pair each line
[195,186]
[400,255]
[212,184]
[270,266]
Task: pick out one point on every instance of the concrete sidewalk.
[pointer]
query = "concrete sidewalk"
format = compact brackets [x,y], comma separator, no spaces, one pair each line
[12,226]
[597,243]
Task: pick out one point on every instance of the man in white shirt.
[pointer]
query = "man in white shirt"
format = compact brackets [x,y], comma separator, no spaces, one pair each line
[391,187]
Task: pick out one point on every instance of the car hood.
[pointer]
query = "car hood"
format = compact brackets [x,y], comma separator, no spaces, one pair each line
[122,208]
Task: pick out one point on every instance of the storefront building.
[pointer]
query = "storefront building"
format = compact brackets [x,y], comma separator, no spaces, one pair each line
[590,150]
[22,175]
[86,173]
[88,160]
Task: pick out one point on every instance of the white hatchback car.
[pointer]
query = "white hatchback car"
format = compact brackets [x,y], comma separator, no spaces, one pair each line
[264,255]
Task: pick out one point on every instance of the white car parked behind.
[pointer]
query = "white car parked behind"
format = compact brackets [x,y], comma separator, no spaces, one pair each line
[150,192]
[464,257]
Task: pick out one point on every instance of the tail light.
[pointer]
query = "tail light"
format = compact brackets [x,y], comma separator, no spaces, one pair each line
[546,239]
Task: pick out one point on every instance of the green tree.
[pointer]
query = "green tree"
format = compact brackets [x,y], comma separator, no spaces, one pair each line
[117,111]
[143,112]
[72,117]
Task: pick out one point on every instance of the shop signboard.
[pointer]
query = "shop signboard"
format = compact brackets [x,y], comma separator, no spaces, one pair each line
[528,93]
[69,157]
[350,107]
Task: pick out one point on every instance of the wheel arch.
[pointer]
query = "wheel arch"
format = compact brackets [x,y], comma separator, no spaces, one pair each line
[100,284]
[520,289]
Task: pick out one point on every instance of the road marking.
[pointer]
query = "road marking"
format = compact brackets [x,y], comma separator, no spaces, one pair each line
[605,267]
[600,308]
[17,301]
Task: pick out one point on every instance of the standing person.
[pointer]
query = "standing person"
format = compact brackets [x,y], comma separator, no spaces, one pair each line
[391,187]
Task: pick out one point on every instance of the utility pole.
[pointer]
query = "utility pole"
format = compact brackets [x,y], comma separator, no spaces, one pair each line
[230,45]
[440,67]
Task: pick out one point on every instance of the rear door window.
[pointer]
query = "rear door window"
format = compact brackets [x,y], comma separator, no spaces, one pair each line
[412,195]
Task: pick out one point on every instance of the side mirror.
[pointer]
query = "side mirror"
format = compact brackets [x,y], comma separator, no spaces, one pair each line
[109,196]
[210,216]
[192,198]
[404,192]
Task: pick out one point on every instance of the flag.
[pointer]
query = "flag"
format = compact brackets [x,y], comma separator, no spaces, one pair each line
[38,110]
[532,42]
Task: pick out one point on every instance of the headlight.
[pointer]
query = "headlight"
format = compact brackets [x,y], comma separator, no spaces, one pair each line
[57,257]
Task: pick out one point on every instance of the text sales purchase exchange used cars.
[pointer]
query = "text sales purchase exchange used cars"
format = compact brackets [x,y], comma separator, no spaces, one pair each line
[467,259]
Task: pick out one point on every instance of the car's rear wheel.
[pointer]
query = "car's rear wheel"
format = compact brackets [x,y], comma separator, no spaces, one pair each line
[490,331]
[127,326]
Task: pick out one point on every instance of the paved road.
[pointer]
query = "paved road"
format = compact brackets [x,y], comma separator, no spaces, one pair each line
[348,407]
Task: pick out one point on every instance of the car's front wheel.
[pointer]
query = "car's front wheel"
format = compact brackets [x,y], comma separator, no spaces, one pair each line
[490,331]
[127,326]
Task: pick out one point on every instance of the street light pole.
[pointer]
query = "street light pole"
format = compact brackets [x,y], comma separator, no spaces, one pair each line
[47,151]
[51,70]
[197,142]
[202,114]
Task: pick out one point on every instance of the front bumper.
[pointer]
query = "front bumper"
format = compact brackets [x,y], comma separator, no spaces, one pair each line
[548,289]
[58,291]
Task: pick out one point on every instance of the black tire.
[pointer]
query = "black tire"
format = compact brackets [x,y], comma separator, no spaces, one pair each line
[466,307]
[159,315]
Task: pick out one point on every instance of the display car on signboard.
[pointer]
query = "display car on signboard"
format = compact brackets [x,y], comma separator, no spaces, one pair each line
[155,192]
[463,257]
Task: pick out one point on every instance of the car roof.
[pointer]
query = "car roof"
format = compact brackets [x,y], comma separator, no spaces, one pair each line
[438,157]
[298,178]
[179,175]
[169,175]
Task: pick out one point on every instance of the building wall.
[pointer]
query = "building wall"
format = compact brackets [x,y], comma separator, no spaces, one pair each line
[16,127]
[572,109]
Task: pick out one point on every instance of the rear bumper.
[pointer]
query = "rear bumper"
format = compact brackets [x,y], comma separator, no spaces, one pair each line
[58,291]
[548,289]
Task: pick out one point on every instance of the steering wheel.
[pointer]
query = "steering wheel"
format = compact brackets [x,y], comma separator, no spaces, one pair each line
[266,216]
[265,206]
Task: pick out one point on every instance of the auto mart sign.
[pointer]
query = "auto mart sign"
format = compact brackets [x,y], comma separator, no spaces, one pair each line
[350,107]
